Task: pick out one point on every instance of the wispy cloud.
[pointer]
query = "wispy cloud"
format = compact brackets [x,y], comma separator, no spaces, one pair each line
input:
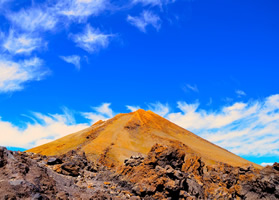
[80,9]
[153,2]
[47,128]
[132,108]
[23,38]
[193,88]
[244,128]
[227,99]
[240,93]
[46,17]
[102,112]
[74,59]
[159,108]
[104,109]
[91,39]
[34,19]
[250,128]
[14,74]
[24,43]
[265,164]
[145,19]
[33,24]
[209,102]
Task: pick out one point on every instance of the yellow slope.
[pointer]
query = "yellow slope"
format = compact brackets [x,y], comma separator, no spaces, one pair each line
[114,140]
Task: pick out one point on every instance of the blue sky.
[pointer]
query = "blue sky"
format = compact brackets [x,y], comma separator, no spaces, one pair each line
[209,66]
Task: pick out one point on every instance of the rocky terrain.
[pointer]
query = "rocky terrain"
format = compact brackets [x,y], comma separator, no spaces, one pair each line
[137,155]
[166,172]
[69,176]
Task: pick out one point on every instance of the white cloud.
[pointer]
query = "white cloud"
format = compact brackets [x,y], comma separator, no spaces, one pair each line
[21,43]
[94,117]
[46,16]
[153,2]
[51,127]
[132,108]
[240,93]
[243,128]
[34,19]
[74,59]
[193,88]
[265,164]
[145,19]
[48,127]
[14,74]
[250,128]
[104,109]
[102,112]
[159,108]
[80,9]
[91,39]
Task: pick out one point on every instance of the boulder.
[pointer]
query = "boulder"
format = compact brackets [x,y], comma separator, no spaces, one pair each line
[54,161]
[70,169]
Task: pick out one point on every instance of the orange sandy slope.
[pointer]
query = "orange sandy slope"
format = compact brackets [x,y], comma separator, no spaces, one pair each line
[114,140]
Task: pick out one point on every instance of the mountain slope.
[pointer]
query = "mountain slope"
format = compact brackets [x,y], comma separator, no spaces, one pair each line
[114,140]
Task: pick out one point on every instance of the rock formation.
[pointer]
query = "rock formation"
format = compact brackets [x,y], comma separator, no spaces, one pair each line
[167,172]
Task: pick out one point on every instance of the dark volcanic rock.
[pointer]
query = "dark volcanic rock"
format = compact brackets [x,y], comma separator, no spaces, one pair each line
[22,178]
[69,176]
[167,172]
[54,161]
[70,169]
[262,185]
[3,161]
[276,166]
[162,156]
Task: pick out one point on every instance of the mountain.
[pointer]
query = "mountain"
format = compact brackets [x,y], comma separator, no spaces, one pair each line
[137,156]
[111,142]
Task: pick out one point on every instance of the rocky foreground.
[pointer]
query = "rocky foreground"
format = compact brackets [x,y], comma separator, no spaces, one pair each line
[167,172]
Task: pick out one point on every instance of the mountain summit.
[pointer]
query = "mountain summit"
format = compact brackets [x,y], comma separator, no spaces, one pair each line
[111,142]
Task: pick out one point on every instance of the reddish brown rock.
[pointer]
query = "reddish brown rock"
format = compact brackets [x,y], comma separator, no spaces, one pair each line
[168,173]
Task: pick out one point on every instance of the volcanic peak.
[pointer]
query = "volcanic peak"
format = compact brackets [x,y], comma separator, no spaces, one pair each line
[114,140]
